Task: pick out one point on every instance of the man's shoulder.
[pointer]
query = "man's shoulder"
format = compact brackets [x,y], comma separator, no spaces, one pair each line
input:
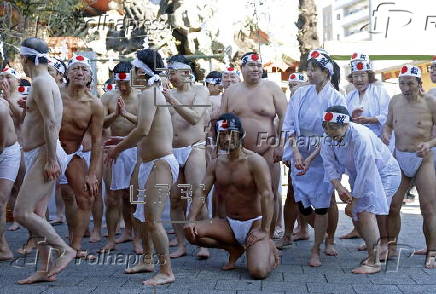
[396,98]
[254,158]
[108,96]
[4,106]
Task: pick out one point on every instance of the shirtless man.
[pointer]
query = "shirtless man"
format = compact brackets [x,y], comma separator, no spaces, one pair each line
[188,141]
[257,102]
[244,181]
[412,117]
[44,158]
[121,109]
[10,156]
[9,86]
[230,76]
[158,168]
[82,112]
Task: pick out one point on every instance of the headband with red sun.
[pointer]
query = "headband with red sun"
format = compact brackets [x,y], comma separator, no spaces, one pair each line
[360,65]
[10,71]
[231,69]
[24,90]
[297,77]
[109,87]
[122,76]
[79,59]
[410,70]
[336,117]
[251,58]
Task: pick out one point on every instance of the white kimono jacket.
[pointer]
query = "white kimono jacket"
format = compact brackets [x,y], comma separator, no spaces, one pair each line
[375,103]
[304,120]
[373,172]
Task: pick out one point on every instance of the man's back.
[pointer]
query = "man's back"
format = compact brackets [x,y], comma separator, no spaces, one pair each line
[33,125]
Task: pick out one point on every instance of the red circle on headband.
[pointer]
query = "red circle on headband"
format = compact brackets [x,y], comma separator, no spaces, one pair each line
[354,55]
[255,57]
[80,58]
[314,54]
[328,116]
[109,87]
[21,89]
[292,76]
[225,124]
[360,66]
[5,69]
[230,69]
[122,75]
[404,69]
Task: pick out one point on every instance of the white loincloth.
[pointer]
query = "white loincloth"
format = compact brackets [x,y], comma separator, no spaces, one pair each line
[86,156]
[123,168]
[182,153]
[380,204]
[409,162]
[10,162]
[30,157]
[241,228]
[144,172]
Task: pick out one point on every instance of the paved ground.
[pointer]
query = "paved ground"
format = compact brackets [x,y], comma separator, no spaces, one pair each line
[195,276]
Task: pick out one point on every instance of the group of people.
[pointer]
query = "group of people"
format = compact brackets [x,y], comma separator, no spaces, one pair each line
[169,138]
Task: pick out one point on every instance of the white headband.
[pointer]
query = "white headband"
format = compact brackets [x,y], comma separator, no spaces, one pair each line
[122,76]
[321,57]
[360,65]
[336,117]
[213,81]
[410,70]
[24,90]
[178,65]
[79,59]
[224,125]
[25,51]
[57,65]
[231,69]
[359,56]
[251,57]
[297,77]
[153,77]
[11,71]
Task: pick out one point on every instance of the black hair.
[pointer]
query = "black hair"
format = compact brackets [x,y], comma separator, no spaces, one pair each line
[338,109]
[230,116]
[38,45]
[336,77]
[24,82]
[215,75]
[151,58]
[123,66]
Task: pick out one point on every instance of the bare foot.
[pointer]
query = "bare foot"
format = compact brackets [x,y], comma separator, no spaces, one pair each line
[300,236]
[6,255]
[173,243]
[284,242]
[351,235]
[137,247]
[95,236]
[362,247]
[383,252]
[28,247]
[421,252]
[430,262]
[159,279]
[314,258]
[83,254]
[203,253]
[125,237]
[15,226]
[367,268]
[329,248]
[141,267]
[181,251]
[62,261]
[234,254]
[392,251]
[37,277]
[110,245]
[276,254]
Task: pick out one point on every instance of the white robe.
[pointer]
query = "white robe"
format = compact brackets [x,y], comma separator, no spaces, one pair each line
[304,120]
[375,103]
[373,172]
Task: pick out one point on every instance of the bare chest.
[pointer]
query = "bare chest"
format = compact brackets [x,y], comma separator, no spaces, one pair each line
[235,174]
[413,117]
[258,102]
[76,114]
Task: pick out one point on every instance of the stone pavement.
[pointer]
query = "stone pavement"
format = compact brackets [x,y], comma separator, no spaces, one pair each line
[204,276]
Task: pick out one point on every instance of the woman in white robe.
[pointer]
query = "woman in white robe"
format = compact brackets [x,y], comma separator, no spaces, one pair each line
[374,178]
[303,126]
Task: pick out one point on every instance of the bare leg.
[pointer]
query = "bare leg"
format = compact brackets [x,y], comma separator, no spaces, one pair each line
[382,222]
[369,231]
[5,191]
[177,212]
[60,207]
[127,234]
[290,213]
[33,190]
[331,228]
[97,216]
[320,231]
[394,218]
[262,258]
[146,262]
[113,202]
[14,193]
